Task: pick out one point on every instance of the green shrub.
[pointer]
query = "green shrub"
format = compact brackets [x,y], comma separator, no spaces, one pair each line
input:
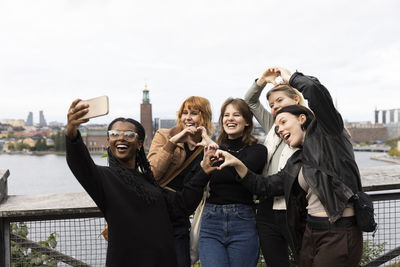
[23,256]
[394,152]
[371,251]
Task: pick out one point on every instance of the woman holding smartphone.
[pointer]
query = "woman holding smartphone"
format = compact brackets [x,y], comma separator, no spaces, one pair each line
[175,156]
[271,213]
[138,211]
[228,234]
[318,181]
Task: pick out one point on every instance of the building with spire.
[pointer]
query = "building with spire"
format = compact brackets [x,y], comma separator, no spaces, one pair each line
[146,118]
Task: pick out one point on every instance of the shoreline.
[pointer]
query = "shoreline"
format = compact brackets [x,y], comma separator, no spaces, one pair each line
[386,158]
[378,156]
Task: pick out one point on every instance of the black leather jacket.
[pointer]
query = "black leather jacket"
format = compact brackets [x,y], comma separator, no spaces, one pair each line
[327,159]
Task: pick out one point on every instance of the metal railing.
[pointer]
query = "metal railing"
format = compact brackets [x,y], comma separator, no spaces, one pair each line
[63,230]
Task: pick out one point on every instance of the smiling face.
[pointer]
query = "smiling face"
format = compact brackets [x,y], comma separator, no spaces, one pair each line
[289,128]
[190,117]
[233,122]
[280,99]
[124,145]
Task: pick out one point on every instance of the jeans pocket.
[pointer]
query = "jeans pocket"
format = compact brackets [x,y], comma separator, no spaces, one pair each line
[207,213]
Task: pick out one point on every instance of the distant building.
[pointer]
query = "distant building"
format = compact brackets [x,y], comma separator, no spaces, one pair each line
[146,118]
[16,123]
[95,139]
[56,124]
[163,123]
[363,132]
[42,120]
[387,116]
[29,119]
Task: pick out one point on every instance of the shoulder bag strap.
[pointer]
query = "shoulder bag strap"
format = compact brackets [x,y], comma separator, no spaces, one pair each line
[184,165]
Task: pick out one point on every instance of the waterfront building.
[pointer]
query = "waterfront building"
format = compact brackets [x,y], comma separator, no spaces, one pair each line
[372,132]
[146,118]
[95,138]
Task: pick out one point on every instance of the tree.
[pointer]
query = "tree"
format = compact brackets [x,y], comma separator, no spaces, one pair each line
[21,146]
[40,144]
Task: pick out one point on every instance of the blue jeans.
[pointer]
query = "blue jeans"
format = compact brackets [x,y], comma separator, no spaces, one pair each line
[228,236]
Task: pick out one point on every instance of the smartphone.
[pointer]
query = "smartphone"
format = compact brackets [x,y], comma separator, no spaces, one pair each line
[98,106]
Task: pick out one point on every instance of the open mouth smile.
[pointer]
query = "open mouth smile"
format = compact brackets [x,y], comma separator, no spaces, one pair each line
[231,125]
[122,148]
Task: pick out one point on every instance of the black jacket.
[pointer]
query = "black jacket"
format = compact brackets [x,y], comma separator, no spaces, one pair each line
[327,159]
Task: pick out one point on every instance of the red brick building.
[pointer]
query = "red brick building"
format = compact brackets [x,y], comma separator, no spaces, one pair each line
[146,118]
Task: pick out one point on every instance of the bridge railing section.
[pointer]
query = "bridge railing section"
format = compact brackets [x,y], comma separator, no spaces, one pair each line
[64,229]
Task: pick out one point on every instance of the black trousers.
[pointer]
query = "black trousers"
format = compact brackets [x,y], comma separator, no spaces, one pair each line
[180,230]
[273,235]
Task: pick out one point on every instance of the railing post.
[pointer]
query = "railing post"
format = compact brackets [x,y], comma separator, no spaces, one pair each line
[5,249]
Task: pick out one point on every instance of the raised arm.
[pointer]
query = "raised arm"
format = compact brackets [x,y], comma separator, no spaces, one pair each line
[319,100]
[263,187]
[78,158]
[252,99]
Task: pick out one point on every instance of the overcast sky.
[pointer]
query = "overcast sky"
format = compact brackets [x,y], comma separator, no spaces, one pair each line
[53,51]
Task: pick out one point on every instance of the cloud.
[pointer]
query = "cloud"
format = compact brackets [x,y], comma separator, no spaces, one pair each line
[55,51]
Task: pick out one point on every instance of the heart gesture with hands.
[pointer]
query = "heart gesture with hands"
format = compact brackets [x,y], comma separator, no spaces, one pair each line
[209,159]
[230,160]
[271,74]
[192,134]
[187,135]
[205,139]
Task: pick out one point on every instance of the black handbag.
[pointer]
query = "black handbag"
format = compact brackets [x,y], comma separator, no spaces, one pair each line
[364,210]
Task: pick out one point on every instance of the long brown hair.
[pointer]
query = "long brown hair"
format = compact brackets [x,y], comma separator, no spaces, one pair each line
[244,110]
[201,104]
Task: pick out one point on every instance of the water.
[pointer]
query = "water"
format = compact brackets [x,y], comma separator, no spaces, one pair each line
[47,174]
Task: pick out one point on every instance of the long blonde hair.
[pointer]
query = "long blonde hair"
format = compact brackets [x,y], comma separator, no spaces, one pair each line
[289,91]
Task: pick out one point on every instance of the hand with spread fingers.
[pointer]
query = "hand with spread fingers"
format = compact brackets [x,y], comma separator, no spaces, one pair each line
[206,141]
[187,135]
[269,76]
[284,73]
[75,112]
[209,159]
[230,160]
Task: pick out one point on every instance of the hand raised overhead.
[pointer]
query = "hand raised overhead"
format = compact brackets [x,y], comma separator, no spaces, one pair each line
[75,113]
[285,74]
[269,76]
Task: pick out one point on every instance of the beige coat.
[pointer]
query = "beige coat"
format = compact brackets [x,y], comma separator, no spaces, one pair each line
[164,156]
